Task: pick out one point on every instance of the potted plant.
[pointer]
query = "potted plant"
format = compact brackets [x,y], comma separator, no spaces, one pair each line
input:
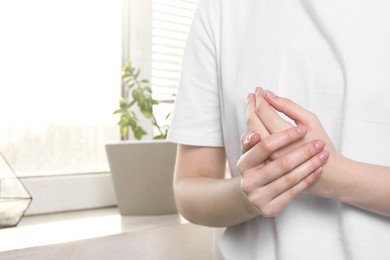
[141,170]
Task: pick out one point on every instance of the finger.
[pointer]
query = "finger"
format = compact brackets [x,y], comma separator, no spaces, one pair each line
[285,172]
[288,107]
[248,140]
[272,121]
[278,203]
[292,178]
[252,120]
[271,198]
[262,150]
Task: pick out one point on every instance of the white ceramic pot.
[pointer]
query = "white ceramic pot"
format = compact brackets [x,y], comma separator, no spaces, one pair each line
[142,174]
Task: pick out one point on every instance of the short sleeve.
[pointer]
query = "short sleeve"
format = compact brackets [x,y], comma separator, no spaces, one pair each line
[197,112]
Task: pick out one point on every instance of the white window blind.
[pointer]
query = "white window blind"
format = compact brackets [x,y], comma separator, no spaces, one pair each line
[171,21]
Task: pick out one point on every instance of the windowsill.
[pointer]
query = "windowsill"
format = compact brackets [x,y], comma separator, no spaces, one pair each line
[105,234]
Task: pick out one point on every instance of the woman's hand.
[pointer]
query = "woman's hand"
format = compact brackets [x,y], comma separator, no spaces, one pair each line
[263,106]
[270,186]
[342,179]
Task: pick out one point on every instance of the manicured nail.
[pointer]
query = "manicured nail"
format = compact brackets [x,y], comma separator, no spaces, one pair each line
[319,144]
[301,129]
[248,138]
[258,89]
[324,155]
[269,93]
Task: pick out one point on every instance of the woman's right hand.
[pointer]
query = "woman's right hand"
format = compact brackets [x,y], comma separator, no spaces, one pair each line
[271,185]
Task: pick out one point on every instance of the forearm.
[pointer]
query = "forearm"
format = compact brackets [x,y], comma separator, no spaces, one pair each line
[359,184]
[212,202]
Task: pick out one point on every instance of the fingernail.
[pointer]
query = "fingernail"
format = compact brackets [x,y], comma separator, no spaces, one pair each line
[248,138]
[301,129]
[249,96]
[269,93]
[319,144]
[258,89]
[324,155]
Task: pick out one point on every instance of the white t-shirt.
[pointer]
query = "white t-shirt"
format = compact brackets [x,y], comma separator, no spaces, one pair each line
[333,58]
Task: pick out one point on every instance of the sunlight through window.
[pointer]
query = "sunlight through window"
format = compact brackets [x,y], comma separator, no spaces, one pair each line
[59,83]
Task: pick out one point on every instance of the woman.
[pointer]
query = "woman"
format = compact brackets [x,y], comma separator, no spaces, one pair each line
[305,185]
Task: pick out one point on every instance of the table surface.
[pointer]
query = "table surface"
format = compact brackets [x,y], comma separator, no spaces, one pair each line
[56,232]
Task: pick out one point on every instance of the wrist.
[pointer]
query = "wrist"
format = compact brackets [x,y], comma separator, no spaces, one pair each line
[331,183]
[251,209]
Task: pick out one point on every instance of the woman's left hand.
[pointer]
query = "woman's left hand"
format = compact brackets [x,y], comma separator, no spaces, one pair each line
[262,107]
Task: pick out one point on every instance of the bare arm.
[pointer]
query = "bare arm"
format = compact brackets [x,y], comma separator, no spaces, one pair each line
[204,197]
[363,185]
[202,194]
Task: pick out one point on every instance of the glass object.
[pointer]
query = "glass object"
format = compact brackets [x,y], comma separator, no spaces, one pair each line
[14,198]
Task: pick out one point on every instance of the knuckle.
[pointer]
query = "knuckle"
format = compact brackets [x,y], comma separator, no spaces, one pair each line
[309,149]
[253,200]
[291,134]
[256,199]
[249,120]
[266,146]
[291,194]
[284,163]
[278,154]
[246,187]
[289,180]
[269,211]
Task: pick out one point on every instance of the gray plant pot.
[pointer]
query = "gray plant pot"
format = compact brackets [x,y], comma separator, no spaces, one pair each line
[142,174]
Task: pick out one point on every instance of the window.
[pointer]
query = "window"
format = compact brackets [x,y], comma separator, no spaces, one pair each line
[157,38]
[60,65]
[170,27]
[60,81]
[171,23]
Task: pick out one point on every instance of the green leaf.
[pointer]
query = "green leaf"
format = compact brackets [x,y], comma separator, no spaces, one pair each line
[148,114]
[127,66]
[124,130]
[136,93]
[132,122]
[141,103]
[139,132]
[159,137]
[130,85]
